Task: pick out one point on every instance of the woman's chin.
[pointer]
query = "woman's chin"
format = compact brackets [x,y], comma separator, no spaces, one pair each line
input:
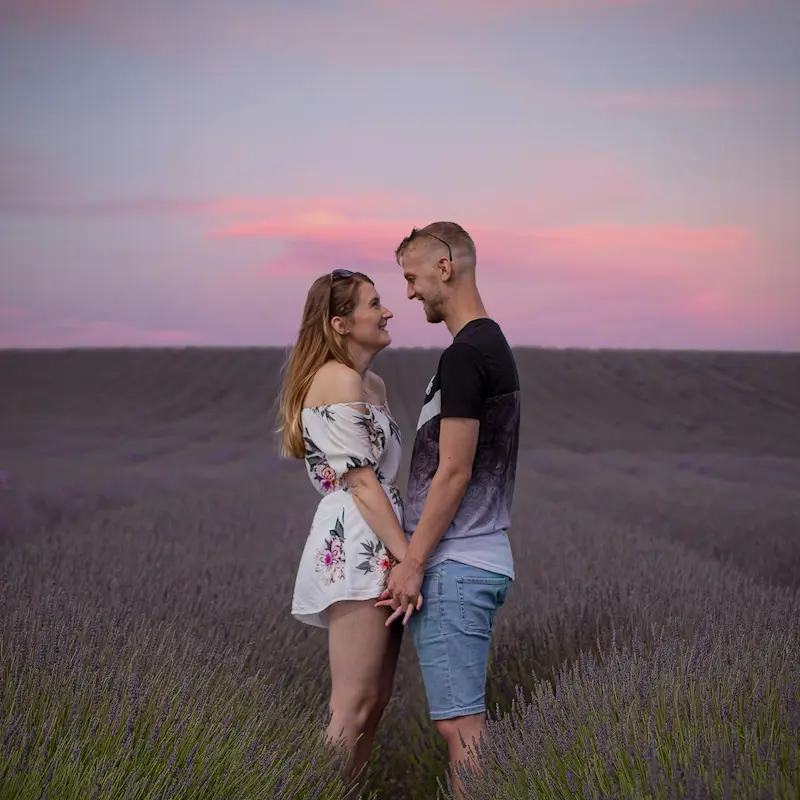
[384,340]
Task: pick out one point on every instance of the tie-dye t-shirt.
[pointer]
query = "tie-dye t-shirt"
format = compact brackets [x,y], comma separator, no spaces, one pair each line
[476,378]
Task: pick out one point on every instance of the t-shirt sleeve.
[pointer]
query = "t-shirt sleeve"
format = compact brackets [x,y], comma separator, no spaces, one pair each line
[462,380]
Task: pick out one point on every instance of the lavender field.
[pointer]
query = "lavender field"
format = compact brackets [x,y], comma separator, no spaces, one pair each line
[149,537]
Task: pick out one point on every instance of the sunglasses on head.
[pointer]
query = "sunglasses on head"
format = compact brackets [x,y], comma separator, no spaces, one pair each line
[418,232]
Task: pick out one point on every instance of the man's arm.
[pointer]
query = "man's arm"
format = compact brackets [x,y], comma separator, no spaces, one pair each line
[463,384]
[458,438]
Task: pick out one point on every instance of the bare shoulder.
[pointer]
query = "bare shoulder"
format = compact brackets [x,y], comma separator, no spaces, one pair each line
[375,387]
[335,383]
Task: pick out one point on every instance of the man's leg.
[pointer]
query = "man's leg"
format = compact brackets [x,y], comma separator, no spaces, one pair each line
[469,728]
[452,636]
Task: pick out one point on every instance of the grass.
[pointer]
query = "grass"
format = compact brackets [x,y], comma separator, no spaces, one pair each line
[149,540]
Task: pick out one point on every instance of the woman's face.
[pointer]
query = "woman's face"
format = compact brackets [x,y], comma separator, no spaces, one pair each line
[367,323]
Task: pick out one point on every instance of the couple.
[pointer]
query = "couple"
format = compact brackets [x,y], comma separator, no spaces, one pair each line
[444,563]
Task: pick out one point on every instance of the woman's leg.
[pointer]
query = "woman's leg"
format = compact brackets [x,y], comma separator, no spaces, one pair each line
[385,686]
[363,653]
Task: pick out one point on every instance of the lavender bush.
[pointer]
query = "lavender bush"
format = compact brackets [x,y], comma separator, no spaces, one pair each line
[97,705]
[149,538]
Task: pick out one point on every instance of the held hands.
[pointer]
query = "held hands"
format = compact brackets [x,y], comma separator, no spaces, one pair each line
[402,591]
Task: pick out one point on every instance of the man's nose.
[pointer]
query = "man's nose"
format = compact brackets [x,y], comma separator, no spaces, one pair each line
[410,292]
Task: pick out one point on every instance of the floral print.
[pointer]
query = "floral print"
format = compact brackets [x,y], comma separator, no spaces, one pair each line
[331,558]
[394,430]
[394,493]
[375,433]
[319,467]
[378,558]
[324,412]
[343,558]
[354,462]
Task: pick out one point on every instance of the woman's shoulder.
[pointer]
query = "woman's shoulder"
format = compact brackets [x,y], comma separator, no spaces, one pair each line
[335,383]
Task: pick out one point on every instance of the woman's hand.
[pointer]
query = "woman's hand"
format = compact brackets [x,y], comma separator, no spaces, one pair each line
[402,593]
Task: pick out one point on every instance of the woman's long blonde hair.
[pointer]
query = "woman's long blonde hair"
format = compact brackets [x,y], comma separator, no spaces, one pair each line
[317,343]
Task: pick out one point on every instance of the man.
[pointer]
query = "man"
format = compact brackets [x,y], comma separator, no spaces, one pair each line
[460,488]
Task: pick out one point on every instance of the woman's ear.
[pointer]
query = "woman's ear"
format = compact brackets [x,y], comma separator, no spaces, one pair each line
[338,324]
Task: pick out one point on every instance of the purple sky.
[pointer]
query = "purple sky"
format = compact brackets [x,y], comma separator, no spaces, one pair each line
[629,169]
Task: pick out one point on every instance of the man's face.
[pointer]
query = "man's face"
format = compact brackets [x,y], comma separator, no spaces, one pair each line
[424,282]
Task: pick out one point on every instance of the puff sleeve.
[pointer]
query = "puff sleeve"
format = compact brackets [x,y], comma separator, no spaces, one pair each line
[352,438]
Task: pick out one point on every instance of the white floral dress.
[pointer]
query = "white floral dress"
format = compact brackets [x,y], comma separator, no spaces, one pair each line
[343,558]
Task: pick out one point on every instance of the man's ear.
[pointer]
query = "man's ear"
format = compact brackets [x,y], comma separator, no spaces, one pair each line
[445,269]
[338,324]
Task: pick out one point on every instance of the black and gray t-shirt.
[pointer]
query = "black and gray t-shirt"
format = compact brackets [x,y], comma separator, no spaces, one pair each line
[476,378]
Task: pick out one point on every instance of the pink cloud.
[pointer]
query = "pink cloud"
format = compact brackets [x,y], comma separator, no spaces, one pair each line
[693,302]
[704,98]
[203,31]
[312,237]
[654,238]
[458,10]
[321,225]
[656,285]
[32,184]
[372,31]
[34,13]
[19,328]
[700,98]
[353,33]
[568,184]
[573,183]
[378,202]
[45,13]
[9,314]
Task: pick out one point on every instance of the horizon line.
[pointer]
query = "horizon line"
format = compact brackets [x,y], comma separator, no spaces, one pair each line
[397,349]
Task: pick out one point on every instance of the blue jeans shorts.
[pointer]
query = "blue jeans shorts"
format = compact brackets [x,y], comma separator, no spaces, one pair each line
[451,635]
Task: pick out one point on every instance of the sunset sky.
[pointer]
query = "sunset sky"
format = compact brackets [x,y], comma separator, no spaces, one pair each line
[178,173]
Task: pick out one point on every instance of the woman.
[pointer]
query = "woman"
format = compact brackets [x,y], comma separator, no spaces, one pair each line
[333,414]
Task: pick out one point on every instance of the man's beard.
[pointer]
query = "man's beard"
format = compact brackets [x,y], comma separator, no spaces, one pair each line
[433,314]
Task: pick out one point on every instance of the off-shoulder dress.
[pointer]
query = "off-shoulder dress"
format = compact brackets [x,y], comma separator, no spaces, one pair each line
[343,559]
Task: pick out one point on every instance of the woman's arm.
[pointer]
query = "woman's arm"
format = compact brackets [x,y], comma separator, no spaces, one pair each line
[376,508]
[369,496]
[341,384]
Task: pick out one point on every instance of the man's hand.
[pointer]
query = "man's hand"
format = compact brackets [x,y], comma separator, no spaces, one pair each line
[402,591]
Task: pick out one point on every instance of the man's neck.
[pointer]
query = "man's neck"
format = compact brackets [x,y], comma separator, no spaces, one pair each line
[464,310]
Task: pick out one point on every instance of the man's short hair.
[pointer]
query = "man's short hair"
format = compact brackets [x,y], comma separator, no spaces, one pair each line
[449,234]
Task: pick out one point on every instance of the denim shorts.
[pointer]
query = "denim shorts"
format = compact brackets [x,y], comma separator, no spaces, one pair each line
[451,635]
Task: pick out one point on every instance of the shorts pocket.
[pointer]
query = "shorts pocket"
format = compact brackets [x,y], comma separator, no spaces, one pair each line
[479,599]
